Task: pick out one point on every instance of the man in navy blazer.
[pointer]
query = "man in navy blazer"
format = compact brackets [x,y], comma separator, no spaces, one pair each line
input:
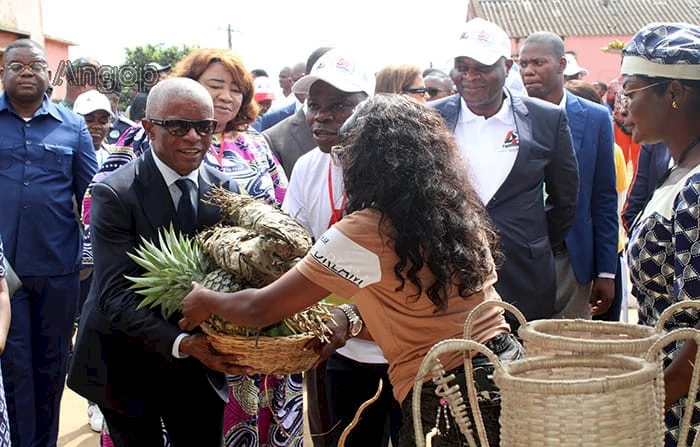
[137,366]
[587,263]
[272,117]
[515,149]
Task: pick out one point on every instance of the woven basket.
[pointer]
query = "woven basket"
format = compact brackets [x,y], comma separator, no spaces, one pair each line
[577,401]
[266,355]
[563,401]
[543,337]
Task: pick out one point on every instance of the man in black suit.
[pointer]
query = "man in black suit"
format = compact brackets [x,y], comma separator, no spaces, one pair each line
[138,367]
[516,149]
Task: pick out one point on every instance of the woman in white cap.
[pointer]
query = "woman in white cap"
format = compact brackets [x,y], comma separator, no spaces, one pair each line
[661,96]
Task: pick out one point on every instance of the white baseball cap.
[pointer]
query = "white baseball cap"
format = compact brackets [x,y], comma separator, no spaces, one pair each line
[263,89]
[339,70]
[91,101]
[572,66]
[483,41]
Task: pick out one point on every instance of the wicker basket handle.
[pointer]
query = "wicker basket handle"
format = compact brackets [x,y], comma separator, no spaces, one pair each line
[654,352]
[492,303]
[430,361]
[672,309]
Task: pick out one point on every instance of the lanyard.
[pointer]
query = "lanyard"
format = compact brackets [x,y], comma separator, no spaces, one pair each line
[336,213]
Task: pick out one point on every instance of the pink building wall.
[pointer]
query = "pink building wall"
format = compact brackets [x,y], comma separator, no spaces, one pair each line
[56,51]
[25,17]
[601,66]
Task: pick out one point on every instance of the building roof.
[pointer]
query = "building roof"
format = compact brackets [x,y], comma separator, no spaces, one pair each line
[520,18]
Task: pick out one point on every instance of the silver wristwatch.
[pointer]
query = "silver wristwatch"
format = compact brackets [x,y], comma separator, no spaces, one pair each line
[354,321]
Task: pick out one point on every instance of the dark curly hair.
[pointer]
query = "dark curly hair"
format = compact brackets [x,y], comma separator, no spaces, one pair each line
[400,158]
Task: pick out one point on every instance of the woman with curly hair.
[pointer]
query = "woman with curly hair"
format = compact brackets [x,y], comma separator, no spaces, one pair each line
[414,250]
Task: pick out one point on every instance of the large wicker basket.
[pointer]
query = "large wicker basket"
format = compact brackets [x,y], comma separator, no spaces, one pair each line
[267,355]
[563,401]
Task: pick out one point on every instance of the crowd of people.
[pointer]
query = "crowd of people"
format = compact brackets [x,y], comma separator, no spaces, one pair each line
[429,192]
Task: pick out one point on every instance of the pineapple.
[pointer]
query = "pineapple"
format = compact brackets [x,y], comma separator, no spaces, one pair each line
[222,281]
[227,259]
[171,265]
[283,236]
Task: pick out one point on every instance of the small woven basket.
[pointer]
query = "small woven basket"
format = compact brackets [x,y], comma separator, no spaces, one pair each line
[266,355]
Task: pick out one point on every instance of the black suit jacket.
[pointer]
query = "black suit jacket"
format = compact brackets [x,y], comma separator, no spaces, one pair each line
[289,140]
[528,228]
[121,353]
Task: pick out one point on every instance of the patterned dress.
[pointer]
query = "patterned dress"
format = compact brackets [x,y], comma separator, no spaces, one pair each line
[262,410]
[664,261]
[4,425]
[247,159]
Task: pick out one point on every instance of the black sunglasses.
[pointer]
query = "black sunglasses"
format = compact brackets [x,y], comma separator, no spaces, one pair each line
[433,91]
[180,128]
[417,90]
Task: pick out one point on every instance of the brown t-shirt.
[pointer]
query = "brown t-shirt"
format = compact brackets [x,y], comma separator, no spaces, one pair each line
[355,259]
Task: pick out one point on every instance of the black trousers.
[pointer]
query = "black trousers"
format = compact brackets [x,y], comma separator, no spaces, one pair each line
[507,348]
[191,411]
[348,384]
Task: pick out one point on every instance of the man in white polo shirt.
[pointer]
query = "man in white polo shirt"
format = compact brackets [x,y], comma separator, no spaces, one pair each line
[517,150]
[316,198]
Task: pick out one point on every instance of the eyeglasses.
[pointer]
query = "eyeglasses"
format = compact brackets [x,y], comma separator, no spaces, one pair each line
[635,90]
[34,67]
[433,91]
[416,91]
[180,128]
[623,96]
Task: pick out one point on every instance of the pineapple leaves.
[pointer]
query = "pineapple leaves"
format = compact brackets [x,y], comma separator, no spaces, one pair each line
[170,266]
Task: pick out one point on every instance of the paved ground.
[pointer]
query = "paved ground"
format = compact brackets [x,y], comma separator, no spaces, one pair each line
[75,432]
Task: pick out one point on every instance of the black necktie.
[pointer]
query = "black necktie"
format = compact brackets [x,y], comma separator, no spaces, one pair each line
[185,208]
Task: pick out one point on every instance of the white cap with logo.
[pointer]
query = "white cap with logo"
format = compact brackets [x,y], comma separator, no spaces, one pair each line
[483,41]
[339,70]
[92,101]
[572,66]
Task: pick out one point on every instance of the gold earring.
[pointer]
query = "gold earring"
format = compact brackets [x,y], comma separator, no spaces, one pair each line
[674,104]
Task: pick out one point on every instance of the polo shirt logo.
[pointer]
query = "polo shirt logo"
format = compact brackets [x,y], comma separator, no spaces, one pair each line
[511,140]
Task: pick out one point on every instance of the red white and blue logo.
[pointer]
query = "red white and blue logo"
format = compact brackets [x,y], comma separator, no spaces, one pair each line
[511,140]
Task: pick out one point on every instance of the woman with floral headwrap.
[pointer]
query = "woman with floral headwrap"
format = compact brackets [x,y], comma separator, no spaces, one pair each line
[661,96]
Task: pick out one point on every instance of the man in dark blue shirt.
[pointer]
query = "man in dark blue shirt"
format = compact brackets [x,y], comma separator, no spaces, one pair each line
[46,163]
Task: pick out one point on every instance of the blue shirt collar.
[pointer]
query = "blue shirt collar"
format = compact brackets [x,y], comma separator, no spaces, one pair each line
[46,107]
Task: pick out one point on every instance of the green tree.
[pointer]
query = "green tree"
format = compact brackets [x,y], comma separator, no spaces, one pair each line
[139,56]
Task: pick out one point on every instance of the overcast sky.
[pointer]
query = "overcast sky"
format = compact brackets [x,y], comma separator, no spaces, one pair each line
[267,34]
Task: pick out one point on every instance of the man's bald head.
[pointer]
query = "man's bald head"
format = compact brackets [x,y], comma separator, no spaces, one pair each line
[176,88]
[180,123]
